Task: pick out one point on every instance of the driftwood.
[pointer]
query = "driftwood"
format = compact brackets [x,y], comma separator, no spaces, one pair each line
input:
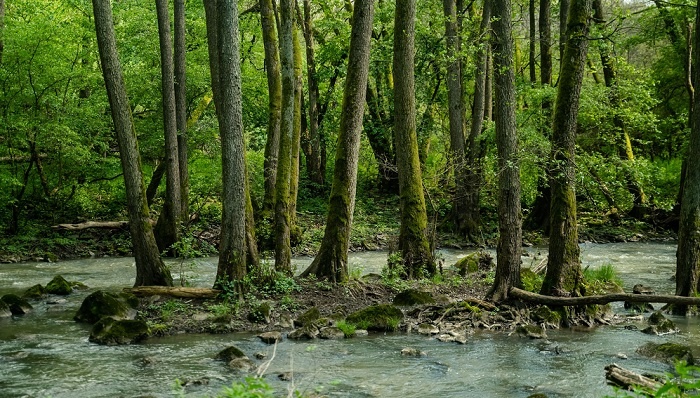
[605,299]
[182,292]
[93,224]
[627,379]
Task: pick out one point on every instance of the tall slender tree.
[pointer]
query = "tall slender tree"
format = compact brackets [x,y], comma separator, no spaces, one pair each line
[332,259]
[283,251]
[232,252]
[532,56]
[509,248]
[564,268]
[413,235]
[181,107]
[150,269]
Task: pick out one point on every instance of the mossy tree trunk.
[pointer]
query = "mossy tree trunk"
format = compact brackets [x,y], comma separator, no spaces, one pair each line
[150,269]
[413,236]
[688,254]
[274,89]
[332,259]
[532,56]
[181,108]
[232,250]
[564,268]
[509,248]
[168,226]
[283,251]
[296,133]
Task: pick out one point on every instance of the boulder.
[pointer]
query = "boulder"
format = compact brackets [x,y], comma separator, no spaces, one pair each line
[244,365]
[412,352]
[230,353]
[382,317]
[34,292]
[5,311]
[544,314]
[667,352]
[428,329]
[413,297]
[59,285]
[16,304]
[660,325]
[102,304]
[78,285]
[260,313]
[453,337]
[641,289]
[286,376]
[477,261]
[532,331]
[110,331]
[270,337]
[308,332]
[331,333]
[307,318]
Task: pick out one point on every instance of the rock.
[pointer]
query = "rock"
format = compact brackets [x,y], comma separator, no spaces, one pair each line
[110,331]
[428,329]
[260,355]
[544,314]
[270,337]
[56,301]
[286,376]
[413,297]
[147,361]
[382,317]
[16,304]
[78,285]
[641,289]
[660,325]
[361,333]
[452,337]
[309,332]
[36,291]
[285,321]
[532,331]
[639,307]
[308,317]
[621,355]
[5,311]
[58,285]
[667,352]
[200,316]
[331,333]
[656,318]
[260,313]
[412,352]
[230,353]
[244,365]
[102,304]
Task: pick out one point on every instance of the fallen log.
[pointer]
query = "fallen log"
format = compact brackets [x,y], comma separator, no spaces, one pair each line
[181,292]
[93,224]
[627,379]
[604,299]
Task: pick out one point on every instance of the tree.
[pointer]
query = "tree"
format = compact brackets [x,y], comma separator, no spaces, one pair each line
[688,254]
[274,89]
[283,251]
[181,107]
[167,229]
[413,238]
[150,269]
[332,259]
[564,268]
[509,248]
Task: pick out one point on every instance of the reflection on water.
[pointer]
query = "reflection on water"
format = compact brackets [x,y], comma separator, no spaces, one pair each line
[46,354]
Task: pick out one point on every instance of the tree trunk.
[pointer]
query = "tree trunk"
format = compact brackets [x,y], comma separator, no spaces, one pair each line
[181,108]
[150,269]
[564,269]
[688,254]
[296,135]
[545,43]
[274,89]
[332,259]
[488,95]
[563,18]
[509,248]
[533,42]
[283,251]
[600,300]
[2,28]
[313,156]
[232,251]
[413,239]
[167,231]
[378,129]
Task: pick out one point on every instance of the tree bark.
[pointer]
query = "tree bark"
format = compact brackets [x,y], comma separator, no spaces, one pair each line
[627,379]
[274,89]
[283,251]
[509,248]
[181,107]
[545,43]
[533,42]
[150,269]
[167,231]
[413,238]
[181,292]
[332,259]
[232,251]
[563,18]
[688,253]
[564,269]
[535,298]
[296,133]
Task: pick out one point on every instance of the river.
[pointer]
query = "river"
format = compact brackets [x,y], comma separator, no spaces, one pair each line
[46,354]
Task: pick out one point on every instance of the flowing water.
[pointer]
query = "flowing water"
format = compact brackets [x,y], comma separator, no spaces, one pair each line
[47,354]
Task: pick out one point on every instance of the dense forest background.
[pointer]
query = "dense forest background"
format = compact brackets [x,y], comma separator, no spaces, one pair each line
[59,160]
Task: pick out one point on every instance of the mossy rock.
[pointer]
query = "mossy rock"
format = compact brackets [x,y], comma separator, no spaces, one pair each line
[110,331]
[308,332]
[16,304]
[382,317]
[102,304]
[413,297]
[544,314]
[5,311]
[34,292]
[260,313]
[244,365]
[667,352]
[331,333]
[656,318]
[230,353]
[78,285]
[308,318]
[59,285]
[130,299]
[532,331]
[467,264]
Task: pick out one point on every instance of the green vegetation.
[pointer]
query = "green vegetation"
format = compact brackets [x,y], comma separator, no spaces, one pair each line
[684,382]
[382,317]
[601,280]
[347,328]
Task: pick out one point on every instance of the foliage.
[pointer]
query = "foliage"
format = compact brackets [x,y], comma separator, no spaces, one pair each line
[347,328]
[685,382]
[266,282]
